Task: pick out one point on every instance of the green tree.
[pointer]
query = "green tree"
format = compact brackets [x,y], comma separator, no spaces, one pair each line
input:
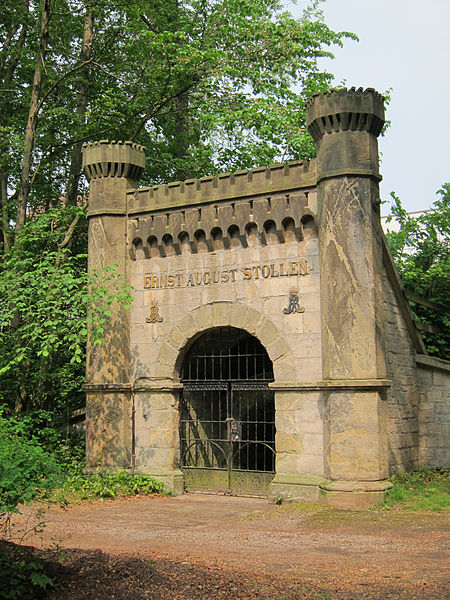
[421,251]
[205,85]
[45,294]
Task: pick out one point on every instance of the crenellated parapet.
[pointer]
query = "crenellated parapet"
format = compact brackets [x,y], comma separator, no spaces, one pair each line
[113,159]
[244,209]
[224,187]
[345,125]
[343,110]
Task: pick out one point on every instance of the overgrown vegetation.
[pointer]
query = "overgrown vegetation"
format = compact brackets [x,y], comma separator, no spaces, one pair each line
[108,485]
[20,572]
[45,293]
[27,471]
[421,251]
[40,463]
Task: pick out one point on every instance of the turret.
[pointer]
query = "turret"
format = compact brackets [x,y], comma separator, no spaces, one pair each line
[345,125]
[111,168]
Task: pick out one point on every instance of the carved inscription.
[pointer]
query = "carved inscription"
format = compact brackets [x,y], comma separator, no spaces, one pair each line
[288,268]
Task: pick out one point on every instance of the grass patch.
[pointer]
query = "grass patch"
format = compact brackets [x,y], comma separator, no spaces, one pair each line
[426,491]
[420,490]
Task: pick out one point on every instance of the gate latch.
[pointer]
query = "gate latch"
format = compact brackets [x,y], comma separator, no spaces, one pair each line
[234,429]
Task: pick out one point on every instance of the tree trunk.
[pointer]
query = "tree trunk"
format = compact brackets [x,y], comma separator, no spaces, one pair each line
[182,133]
[4,205]
[82,100]
[30,132]
[8,65]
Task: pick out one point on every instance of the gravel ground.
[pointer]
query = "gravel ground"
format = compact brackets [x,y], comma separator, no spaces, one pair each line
[201,546]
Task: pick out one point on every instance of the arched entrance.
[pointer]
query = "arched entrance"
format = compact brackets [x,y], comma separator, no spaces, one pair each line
[227,414]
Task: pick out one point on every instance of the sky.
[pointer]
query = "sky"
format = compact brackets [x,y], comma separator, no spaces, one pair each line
[404,46]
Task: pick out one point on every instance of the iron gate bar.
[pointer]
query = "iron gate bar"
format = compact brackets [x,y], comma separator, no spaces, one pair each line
[225,380]
[212,425]
[227,353]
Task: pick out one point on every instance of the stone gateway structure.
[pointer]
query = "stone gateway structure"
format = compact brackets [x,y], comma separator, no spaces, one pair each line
[270,348]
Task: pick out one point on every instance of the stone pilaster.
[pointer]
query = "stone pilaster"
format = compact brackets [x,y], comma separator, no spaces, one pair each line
[345,125]
[156,450]
[111,169]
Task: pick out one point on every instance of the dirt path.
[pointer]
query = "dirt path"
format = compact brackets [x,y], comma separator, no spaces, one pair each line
[365,554]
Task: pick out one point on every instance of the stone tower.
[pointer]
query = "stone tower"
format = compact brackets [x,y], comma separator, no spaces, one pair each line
[111,168]
[345,126]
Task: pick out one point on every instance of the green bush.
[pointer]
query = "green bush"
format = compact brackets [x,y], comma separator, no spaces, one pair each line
[22,573]
[27,471]
[36,463]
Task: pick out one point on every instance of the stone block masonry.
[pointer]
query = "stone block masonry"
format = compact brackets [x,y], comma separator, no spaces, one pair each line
[290,261]
[433,412]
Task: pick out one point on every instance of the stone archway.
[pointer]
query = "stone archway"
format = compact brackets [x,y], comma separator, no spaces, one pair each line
[227,414]
[223,314]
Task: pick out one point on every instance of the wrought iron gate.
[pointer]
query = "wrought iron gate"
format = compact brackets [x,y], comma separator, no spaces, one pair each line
[227,415]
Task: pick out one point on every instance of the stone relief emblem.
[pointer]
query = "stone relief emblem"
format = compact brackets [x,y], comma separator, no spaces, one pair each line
[154,316]
[293,306]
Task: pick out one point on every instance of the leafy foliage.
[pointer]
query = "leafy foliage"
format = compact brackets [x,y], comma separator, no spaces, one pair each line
[108,485]
[421,251]
[45,294]
[30,469]
[20,572]
[26,470]
[36,464]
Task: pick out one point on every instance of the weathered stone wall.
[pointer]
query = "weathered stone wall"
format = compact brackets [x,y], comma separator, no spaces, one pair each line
[256,278]
[247,285]
[234,250]
[434,412]
[418,399]
[404,394]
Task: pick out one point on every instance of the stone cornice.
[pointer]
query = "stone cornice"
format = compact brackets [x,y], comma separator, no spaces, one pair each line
[113,159]
[108,388]
[330,384]
[349,173]
[423,360]
[150,385]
